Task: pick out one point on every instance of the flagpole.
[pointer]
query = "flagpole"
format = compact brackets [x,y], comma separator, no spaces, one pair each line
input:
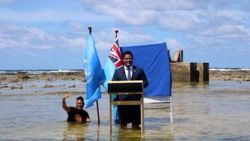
[98,116]
[90,30]
[116,33]
[97,107]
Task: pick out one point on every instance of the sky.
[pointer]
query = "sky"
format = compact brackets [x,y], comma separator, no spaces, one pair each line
[51,34]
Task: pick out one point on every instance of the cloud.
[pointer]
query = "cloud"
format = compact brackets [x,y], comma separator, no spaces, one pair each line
[10,2]
[134,37]
[193,25]
[223,36]
[173,44]
[130,17]
[74,42]
[137,12]
[180,20]
[21,36]
[227,30]
[135,5]
[171,14]
[50,15]
[14,36]
[105,38]
[6,1]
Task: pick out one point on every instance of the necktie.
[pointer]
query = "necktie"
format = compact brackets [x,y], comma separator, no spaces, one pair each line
[129,74]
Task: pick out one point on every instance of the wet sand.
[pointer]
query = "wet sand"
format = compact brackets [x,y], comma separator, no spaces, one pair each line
[235,75]
[215,111]
[25,76]
[36,82]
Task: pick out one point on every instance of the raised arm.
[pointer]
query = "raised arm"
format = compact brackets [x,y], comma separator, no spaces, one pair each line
[64,104]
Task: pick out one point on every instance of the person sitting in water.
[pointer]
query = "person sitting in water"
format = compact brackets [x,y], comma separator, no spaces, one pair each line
[76,114]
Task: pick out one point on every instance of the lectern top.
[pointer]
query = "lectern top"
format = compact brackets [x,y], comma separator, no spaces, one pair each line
[125,86]
[125,81]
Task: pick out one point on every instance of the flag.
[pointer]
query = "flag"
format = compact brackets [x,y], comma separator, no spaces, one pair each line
[92,69]
[114,61]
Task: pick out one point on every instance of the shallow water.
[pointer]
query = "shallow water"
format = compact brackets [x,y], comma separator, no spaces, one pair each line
[215,111]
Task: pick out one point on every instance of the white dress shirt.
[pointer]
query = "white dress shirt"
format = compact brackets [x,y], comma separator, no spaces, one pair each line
[126,71]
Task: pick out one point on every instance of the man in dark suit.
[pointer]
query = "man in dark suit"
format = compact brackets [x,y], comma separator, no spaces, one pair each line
[129,113]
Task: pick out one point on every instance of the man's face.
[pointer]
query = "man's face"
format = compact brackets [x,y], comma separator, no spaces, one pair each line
[79,104]
[128,60]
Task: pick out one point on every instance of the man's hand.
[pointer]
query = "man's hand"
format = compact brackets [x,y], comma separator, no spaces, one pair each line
[66,96]
[64,105]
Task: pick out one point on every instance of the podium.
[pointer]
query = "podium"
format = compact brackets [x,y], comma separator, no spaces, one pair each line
[126,88]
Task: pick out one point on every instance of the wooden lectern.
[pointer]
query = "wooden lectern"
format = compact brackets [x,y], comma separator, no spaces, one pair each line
[126,87]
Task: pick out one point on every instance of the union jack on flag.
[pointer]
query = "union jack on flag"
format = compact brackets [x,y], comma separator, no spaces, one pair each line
[115,54]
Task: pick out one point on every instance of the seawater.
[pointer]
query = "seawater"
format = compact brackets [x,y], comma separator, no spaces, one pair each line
[215,111]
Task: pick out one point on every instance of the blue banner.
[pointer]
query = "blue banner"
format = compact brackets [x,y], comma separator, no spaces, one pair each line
[155,62]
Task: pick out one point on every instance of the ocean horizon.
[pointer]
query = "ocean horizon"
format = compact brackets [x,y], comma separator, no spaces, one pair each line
[39,71]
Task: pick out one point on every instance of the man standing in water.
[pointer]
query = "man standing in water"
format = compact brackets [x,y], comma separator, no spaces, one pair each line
[129,113]
[76,114]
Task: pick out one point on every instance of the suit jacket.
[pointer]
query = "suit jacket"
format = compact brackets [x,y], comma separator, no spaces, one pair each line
[137,74]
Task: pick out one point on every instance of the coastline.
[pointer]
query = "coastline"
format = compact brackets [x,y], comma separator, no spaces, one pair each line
[229,75]
[47,76]
[225,75]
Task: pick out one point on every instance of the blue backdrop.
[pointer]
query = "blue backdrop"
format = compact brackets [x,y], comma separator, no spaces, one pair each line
[155,62]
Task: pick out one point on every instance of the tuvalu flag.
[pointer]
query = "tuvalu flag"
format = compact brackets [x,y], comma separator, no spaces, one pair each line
[114,61]
[92,69]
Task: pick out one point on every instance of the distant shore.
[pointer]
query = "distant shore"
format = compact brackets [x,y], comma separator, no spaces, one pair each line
[234,75]
[24,76]
[229,75]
